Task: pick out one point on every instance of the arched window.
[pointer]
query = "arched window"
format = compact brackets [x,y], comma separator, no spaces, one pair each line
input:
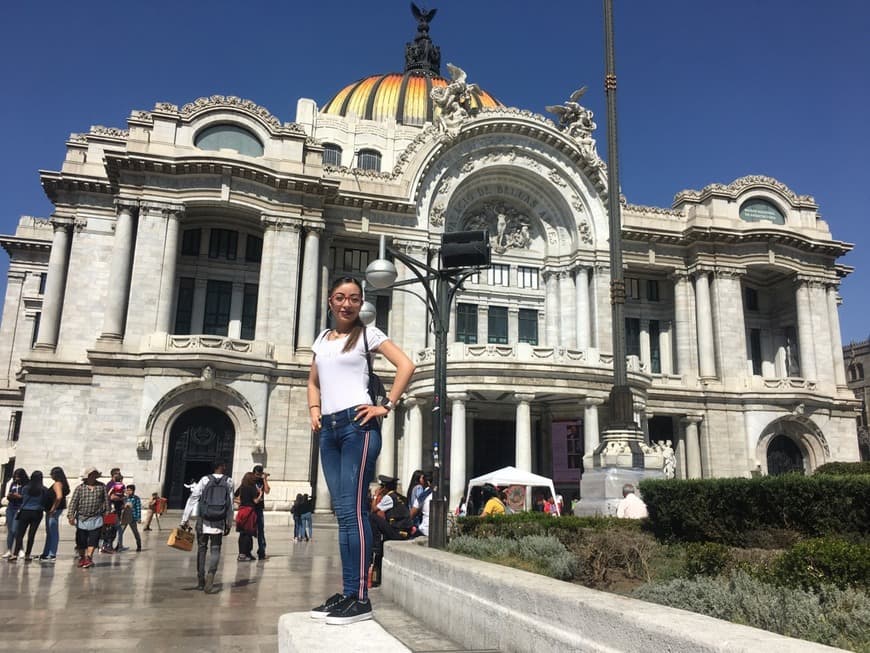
[229,137]
[759,210]
[331,154]
[369,160]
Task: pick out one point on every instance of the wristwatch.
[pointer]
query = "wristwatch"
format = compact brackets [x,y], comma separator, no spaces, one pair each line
[389,405]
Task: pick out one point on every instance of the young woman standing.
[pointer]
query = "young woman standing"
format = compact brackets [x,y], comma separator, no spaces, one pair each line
[60,490]
[13,505]
[30,515]
[342,411]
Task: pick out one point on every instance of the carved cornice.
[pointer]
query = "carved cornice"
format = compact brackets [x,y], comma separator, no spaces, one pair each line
[653,210]
[111,132]
[739,186]
[210,103]
[524,396]
[126,204]
[280,223]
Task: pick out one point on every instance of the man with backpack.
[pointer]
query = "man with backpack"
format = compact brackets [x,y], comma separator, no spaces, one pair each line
[212,498]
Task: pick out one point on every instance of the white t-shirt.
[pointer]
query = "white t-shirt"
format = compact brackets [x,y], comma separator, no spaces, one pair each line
[344,376]
[424,525]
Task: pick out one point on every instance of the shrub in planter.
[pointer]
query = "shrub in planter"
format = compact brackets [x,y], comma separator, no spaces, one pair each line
[812,564]
[540,554]
[834,617]
[607,555]
[522,524]
[707,559]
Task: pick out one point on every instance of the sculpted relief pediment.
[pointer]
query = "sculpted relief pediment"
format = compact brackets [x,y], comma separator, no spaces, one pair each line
[508,227]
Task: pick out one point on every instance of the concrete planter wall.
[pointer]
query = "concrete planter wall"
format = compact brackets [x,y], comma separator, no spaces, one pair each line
[482,605]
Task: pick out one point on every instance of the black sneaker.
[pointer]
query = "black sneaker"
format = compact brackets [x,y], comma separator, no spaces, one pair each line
[350,613]
[332,603]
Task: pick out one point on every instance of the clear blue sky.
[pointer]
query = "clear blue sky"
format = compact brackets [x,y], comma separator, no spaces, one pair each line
[708,91]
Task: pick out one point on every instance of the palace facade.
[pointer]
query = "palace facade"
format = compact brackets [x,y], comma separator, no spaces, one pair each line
[163,315]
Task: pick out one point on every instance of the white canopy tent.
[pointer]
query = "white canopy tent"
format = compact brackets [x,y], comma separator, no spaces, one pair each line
[512,476]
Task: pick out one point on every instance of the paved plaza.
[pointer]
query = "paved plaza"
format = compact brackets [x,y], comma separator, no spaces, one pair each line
[148,602]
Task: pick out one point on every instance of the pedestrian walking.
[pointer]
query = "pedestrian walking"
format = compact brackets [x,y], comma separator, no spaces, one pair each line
[344,411]
[87,506]
[212,499]
[133,508]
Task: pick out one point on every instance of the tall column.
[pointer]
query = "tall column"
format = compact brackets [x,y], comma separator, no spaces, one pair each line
[581,288]
[281,293]
[52,302]
[645,350]
[457,448]
[387,460]
[166,302]
[415,323]
[567,312]
[237,299]
[704,317]
[805,331]
[513,324]
[524,432]
[308,288]
[122,265]
[413,437]
[682,319]
[325,281]
[13,311]
[590,426]
[836,339]
[729,324]
[264,295]
[693,447]
[198,311]
[552,308]
[665,352]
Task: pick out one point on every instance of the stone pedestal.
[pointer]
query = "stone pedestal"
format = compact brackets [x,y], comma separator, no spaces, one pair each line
[622,457]
[601,487]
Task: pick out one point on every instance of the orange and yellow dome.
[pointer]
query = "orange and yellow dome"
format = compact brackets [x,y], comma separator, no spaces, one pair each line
[401,96]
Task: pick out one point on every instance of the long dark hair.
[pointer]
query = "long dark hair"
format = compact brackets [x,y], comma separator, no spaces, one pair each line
[415,480]
[20,476]
[57,474]
[35,486]
[358,326]
[249,480]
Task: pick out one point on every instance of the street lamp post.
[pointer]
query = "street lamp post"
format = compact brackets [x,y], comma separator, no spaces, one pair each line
[462,254]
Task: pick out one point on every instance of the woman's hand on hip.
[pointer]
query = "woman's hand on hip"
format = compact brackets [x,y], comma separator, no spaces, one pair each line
[367,412]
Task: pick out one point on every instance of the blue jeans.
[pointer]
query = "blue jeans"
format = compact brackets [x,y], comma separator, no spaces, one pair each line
[348,453]
[11,526]
[306,525]
[52,534]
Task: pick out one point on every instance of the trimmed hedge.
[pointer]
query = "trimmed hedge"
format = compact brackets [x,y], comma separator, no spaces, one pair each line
[522,524]
[733,510]
[844,468]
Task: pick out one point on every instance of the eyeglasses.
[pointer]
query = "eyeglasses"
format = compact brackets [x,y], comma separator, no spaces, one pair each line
[353,300]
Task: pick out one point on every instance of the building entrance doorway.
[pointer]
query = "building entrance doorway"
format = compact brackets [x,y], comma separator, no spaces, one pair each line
[494,445]
[198,438]
[784,457]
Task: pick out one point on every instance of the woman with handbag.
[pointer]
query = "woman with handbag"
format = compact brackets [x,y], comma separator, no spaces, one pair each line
[343,408]
[248,496]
